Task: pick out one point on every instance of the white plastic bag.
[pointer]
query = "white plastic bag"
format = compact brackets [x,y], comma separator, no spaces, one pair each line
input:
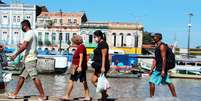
[7,77]
[103,84]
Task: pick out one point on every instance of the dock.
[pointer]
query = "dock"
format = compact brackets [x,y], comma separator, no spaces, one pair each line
[185,76]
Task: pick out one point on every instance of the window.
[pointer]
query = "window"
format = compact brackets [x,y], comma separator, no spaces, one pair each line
[40,36]
[40,21]
[28,17]
[54,38]
[60,36]
[74,34]
[122,39]
[90,38]
[14,19]
[114,39]
[46,36]
[69,21]
[129,40]
[18,18]
[16,37]
[55,20]
[5,16]
[136,40]
[61,21]
[5,36]
[75,21]
[67,37]
[16,33]
[5,19]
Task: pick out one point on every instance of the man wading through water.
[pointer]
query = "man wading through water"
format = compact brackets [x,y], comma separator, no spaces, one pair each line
[159,71]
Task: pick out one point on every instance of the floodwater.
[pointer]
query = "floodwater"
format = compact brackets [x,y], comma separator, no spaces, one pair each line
[127,89]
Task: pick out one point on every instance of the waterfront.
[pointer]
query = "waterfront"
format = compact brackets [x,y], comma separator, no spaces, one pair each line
[123,89]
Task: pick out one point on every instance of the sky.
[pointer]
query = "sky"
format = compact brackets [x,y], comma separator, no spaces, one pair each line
[169,17]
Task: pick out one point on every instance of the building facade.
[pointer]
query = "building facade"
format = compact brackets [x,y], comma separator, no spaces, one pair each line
[55,29]
[11,16]
[120,36]
[58,28]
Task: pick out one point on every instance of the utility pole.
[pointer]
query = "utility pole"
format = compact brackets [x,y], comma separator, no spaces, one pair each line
[189,31]
[60,34]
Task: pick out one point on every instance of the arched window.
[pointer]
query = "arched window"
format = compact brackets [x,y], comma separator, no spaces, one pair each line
[54,38]
[129,34]
[129,40]
[122,39]
[114,39]
[67,37]
[90,38]
[136,40]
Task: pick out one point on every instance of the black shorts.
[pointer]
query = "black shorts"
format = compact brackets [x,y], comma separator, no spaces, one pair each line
[79,75]
[98,72]
[97,67]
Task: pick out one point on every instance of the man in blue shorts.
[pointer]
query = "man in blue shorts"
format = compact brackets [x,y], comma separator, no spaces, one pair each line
[159,71]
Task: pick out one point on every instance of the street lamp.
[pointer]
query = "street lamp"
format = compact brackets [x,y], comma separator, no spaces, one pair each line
[136,38]
[189,31]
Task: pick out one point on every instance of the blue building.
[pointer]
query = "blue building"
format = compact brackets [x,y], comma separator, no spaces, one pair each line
[11,16]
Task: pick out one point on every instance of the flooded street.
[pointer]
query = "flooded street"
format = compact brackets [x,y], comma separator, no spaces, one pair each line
[127,89]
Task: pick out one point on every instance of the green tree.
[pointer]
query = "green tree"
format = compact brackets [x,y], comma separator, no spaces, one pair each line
[147,39]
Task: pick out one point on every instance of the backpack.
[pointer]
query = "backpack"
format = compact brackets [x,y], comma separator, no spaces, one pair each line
[170,58]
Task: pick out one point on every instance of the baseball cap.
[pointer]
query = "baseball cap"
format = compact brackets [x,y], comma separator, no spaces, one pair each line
[157,35]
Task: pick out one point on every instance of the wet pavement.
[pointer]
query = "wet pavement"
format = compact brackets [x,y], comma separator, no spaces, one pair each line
[123,89]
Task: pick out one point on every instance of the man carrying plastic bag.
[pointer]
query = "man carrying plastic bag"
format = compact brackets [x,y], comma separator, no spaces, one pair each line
[102,84]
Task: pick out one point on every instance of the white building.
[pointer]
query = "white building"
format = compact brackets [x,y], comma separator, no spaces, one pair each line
[11,16]
[53,26]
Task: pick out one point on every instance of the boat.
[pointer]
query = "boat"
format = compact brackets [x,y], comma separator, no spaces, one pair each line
[187,68]
[57,63]
[184,68]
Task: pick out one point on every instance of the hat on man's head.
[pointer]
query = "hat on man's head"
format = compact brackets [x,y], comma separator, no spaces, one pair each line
[157,35]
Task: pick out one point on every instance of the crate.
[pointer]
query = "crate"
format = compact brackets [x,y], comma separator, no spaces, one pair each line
[45,65]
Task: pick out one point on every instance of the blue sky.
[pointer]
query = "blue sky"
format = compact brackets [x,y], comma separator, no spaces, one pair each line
[166,16]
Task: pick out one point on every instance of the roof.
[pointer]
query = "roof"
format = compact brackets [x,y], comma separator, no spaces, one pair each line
[113,25]
[74,14]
